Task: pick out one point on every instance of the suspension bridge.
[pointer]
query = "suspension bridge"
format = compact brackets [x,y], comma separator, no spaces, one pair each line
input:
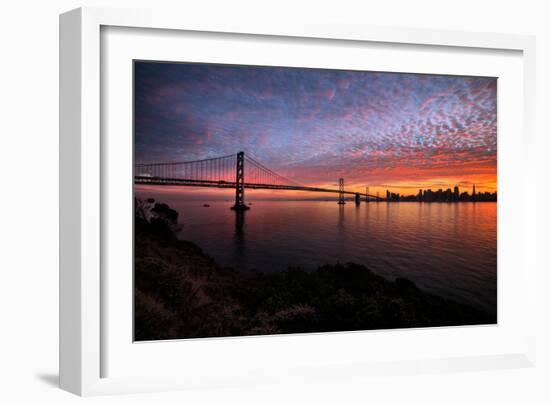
[236,171]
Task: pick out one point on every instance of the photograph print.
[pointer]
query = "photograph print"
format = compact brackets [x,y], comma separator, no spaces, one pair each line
[282,200]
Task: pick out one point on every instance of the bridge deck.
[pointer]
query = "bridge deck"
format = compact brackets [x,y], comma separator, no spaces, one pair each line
[148,180]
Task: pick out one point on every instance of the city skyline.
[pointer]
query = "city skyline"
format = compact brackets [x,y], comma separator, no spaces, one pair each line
[388,131]
[444,195]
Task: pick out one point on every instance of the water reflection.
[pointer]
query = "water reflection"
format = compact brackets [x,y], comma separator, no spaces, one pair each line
[239,249]
[341,217]
[446,248]
[239,224]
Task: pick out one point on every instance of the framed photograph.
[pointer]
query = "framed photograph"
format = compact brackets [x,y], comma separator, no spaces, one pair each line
[244,202]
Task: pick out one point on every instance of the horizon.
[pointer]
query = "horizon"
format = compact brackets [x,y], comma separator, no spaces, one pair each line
[227,194]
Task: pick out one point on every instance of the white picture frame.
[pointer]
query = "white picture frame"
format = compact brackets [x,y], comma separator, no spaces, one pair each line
[83,165]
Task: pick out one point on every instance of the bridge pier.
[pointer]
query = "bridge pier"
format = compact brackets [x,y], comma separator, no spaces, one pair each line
[357,198]
[341,191]
[239,185]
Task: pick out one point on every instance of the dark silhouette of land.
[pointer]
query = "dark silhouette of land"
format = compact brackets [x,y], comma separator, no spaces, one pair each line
[180,292]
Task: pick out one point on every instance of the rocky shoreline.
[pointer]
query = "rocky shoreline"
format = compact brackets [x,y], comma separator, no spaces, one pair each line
[181,292]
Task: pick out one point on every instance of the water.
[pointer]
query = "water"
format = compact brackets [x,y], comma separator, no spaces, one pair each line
[445,248]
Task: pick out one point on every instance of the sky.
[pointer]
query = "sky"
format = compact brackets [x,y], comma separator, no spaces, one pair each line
[389,131]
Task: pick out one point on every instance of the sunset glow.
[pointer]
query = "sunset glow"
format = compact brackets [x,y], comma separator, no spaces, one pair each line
[276,200]
[388,131]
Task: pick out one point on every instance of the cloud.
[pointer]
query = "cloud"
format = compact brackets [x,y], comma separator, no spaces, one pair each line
[314,125]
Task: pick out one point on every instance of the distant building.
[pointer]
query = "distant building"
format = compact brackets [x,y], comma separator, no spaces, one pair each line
[427,195]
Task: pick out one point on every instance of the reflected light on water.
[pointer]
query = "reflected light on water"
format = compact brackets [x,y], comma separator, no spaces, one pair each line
[446,248]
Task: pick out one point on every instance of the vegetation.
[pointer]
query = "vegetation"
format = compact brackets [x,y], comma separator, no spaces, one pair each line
[180,292]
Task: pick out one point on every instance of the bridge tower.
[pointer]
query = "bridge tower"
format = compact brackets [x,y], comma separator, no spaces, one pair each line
[341,191]
[239,184]
[367,194]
